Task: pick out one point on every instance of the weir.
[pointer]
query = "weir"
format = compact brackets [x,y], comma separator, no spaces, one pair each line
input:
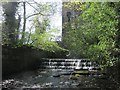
[68,64]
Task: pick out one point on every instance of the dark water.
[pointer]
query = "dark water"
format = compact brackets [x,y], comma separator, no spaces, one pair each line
[56,74]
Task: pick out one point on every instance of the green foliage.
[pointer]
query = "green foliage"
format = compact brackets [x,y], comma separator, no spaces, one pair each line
[42,37]
[94,34]
[43,41]
[73,5]
[102,27]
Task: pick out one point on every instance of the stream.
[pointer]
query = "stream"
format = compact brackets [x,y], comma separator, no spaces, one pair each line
[56,73]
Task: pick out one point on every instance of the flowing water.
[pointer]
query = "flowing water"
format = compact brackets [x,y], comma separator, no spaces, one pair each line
[55,73]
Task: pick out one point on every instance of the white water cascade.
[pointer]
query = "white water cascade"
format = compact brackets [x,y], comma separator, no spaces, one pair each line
[68,64]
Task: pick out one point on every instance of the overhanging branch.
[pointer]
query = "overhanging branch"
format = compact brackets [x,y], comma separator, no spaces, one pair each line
[37,14]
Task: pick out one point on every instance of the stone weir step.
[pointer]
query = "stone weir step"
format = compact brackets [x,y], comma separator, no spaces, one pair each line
[68,64]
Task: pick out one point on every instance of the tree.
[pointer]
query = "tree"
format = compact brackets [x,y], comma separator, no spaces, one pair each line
[39,33]
[10,24]
[43,37]
[24,22]
[95,33]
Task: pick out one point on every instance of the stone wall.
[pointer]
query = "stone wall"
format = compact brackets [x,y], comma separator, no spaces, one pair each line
[24,58]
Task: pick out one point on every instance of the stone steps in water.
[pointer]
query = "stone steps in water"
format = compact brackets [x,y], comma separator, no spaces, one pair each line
[76,64]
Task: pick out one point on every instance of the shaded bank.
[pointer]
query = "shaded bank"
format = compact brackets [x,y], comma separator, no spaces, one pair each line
[23,58]
[114,73]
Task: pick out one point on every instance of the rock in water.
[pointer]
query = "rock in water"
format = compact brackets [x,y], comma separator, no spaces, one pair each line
[56,75]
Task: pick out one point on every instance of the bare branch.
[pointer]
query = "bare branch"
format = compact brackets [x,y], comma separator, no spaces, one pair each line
[32,6]
[36,13]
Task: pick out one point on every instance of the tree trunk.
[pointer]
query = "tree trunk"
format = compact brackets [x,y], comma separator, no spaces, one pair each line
[24,23]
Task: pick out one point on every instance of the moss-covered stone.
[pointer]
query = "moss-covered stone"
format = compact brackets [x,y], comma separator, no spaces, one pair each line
[81,72]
